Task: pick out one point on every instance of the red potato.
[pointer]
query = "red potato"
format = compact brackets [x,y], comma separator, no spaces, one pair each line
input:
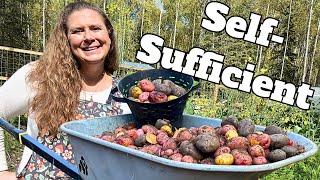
[125,141]
[109,138]
[154,149]
[132,133]
[194,131]
[259,139]
[168,152]
[235,152]
[146,85]
[221,150]
[176,157]
[149,129]
[259,160]
[157,97]
[162,137]
[242,159]
[256,151]
[224,129]
[144,96]
[188,159]
[140,132]
[169,144]
[238,143]
[184,135]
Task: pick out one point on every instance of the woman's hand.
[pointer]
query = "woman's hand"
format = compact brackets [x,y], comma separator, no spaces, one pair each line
[8,175]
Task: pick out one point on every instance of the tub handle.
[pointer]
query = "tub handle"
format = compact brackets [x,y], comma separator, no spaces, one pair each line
[116,98]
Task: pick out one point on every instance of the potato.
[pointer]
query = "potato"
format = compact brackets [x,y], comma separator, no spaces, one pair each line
[132,133]
[119,129]
[222,150]
[290,151]
[188,159]
[154,149]
[166,89]
[259,160]
[161,122]
[256,151]
[168,82]
[157,82]
[206,129]
[273,129]
[167,129]
[184,135]
[135,91]
[109,138]
[277,155]
[259,139]
[140,132]
[144,96]
[278,140]
[245,127]
[178,90]
[238,143]
[224,159]
[149,129]
[157,97]
[231,120]
[236,152]
[146,85]
[162,137]
[124,141]
[169,144]
[224,129]
[207,143]
[242,159]
[187,148]
[222,140]
[209,161]
[167,153]
[172,97]
[231,134]
[176,157]
[140,140]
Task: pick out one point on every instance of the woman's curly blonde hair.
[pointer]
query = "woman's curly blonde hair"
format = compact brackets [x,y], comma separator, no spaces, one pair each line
[56,78]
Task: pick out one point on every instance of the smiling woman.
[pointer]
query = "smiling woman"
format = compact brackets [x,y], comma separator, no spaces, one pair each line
[72,80]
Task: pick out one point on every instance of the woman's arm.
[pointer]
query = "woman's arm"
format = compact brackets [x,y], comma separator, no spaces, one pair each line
[14,97]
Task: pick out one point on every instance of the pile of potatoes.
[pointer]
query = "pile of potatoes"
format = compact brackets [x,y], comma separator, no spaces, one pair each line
[233,143]
[156,91]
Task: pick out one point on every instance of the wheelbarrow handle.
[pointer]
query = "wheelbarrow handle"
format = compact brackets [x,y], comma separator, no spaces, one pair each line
[116,98]
[42,150]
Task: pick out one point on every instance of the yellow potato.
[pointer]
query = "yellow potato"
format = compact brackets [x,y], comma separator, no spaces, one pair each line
[231,134]
[224,159]
[135,91]
[172,97]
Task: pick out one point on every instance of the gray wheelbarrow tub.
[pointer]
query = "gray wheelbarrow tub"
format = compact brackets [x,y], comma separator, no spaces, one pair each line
[99,159]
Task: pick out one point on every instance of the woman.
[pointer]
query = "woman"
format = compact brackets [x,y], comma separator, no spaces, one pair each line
[72,80]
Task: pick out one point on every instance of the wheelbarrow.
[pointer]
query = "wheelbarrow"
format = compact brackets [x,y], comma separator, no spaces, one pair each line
[99,159]
[40,149]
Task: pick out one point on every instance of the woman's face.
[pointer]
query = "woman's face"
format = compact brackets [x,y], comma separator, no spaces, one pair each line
[88,36]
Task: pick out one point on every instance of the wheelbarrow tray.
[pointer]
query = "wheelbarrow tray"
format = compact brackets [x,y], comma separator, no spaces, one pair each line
[99,159]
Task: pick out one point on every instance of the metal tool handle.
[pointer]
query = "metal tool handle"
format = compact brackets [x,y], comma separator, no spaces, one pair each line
[42,150]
